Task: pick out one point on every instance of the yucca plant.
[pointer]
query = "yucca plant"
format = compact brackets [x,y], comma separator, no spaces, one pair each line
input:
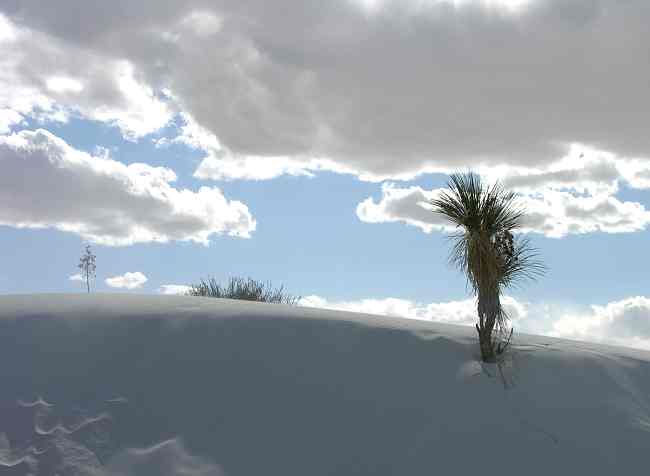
[486,250]
[239,288]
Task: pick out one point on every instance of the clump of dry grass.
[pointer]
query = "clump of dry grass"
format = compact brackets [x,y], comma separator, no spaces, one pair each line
[245,289]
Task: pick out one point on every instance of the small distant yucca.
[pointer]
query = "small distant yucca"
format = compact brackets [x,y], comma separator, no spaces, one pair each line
[247,290]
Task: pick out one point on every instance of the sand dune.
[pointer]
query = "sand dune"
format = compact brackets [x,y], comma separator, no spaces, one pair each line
[123,384]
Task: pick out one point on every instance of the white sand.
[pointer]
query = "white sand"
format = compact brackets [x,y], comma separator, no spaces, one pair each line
[123,384]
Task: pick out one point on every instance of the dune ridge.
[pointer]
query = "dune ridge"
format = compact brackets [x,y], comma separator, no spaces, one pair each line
[247,388]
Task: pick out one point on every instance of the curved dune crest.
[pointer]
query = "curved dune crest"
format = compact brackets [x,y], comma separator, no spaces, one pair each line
[243,388]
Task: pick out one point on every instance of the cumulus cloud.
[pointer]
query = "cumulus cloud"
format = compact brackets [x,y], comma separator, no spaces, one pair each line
[174,289]
[574,195]
[76,277]
[583,170]
[47,183]
[452,312]
[625,322]
[223,166]
[220,163]
[45,78]
[407,205]
[390,91]
[557,214]
[127,280]
[554,214]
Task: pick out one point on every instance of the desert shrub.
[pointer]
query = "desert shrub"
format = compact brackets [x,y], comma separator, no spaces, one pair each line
[245,289]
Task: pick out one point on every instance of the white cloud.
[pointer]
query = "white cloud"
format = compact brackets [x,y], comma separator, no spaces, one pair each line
[193,135]
[202,22]
[62,84]
[127,280]
[554,214]
[415,86]
[248,168]
[452,312]
[625,322]
[582,170]
[572,196]
[9,118]
[557,214]
[139,112]
[7,30]
[636,172]
[407,205]
[44,77]
[19,97]
[174,289]
[47,183]
[221,164]
[76,277]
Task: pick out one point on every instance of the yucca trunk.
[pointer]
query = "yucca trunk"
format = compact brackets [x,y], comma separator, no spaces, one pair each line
[488,310]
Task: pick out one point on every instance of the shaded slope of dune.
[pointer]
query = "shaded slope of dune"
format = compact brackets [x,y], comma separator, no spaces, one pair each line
[159,384]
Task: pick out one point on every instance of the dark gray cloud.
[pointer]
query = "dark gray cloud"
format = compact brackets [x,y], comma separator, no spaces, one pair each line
[405,86]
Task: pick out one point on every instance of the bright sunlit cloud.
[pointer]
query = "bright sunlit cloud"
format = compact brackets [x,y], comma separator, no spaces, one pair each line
[7,30]
[452,312]
[203,23]
[106,201]
[174,289]
[625,322]
[62,84]
[127,280]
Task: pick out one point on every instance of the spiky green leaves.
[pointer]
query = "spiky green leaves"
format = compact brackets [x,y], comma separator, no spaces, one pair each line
[486,251]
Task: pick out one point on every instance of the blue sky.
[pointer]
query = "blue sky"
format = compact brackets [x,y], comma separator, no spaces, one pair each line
[317,153]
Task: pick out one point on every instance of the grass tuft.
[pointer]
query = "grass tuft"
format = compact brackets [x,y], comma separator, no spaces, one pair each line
[245,289]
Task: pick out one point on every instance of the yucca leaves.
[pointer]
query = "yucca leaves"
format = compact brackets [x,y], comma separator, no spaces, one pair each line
[485,213]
